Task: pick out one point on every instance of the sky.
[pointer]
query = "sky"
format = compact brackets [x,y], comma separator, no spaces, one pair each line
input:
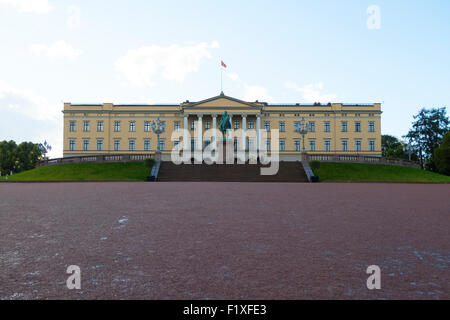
[139,51]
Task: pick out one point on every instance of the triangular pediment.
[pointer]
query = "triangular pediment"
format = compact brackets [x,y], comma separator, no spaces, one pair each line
[222,101]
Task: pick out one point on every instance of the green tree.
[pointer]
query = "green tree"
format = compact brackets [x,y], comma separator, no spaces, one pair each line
[7,156]
[426,134]
[20,157]
[393,147]
[442,155]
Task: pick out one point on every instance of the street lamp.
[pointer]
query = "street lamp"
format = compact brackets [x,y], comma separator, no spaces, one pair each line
[303,129]
[158,128]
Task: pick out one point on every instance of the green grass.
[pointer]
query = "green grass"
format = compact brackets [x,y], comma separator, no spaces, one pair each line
[133,171]
[330,171]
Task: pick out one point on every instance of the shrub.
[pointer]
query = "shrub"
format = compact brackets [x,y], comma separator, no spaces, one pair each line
[315,165]
[149,162]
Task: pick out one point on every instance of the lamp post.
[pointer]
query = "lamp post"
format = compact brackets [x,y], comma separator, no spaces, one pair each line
[158,128]
[303,129]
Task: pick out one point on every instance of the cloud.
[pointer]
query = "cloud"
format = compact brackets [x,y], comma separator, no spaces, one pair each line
[35,6]
[74,20]
[142,66]
[311,92]
[27,103]
[58,49]
[233,76]
[259,93]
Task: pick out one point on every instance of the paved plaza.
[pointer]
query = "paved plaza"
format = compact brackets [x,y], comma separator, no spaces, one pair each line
[208,240]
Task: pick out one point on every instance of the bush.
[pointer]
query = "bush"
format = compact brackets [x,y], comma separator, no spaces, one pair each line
[149,162]
[315,165]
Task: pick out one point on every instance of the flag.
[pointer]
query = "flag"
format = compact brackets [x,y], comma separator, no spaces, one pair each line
[223,64]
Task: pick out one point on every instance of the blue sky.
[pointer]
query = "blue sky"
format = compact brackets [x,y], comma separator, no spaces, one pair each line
[169,51]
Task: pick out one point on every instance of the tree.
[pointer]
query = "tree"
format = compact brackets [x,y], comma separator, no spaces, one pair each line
[442,155]
[426,134]
[7,156]
[393,147]
[20,157]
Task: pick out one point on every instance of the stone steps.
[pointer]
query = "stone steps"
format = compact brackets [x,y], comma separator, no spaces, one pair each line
[288,172]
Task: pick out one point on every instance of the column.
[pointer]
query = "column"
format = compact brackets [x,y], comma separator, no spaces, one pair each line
[185,133]
[244,128]
[231,123]
[199,133]
[258,128]
[214,130]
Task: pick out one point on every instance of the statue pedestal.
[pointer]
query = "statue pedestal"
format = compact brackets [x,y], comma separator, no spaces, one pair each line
[225,149]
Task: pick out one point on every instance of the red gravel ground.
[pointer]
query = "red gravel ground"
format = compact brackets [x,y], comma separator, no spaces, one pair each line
[224,240]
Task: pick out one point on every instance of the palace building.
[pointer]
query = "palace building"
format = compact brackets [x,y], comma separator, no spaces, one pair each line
[334,128]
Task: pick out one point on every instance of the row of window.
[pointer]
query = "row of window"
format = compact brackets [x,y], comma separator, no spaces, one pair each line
[236,126]
[249,144]
[117,147]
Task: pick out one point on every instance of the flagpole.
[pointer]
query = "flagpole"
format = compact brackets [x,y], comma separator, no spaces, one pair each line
[221,72]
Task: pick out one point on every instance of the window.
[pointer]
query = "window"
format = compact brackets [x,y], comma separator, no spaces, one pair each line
[177,126]
[132,126]
[344,145]
[296,126]
[251,124]
[99,144]
[268,144]
[282,126]
[267,126]
[116,144]
[72,144]
[357,126]
[193,125]
[131,144]
[344,126]
[176,144]
[86,126]
[116,126]
[72,126]
[250,144]
[371,145]
[99,126]
[86,144]
[236,124]
[312,126]
[162,144]
[327,145]
[357,145]
[192,143]
[235,144]
[371,126]
[146,144]
[297,144]
[312,145]
[146,126]
[207,124]
[282,144]
[326,126]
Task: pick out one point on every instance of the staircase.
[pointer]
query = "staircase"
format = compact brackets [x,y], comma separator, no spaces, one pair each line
[288,172]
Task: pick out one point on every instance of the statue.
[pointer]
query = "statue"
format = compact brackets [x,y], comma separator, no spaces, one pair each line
[224,124]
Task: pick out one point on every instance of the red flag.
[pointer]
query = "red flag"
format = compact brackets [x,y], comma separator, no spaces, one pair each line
[223,64]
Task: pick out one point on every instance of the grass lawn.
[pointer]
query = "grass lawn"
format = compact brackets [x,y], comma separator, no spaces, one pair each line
[330,171]
[134,171]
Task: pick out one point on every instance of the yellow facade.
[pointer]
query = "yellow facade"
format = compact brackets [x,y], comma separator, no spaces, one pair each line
[363,124]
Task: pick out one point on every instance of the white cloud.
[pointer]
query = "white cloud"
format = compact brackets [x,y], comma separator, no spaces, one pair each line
[74,20]
[312,92]
[233,76]
[27,103]
[58,49]
[35,6]
[259,93]
[140,67]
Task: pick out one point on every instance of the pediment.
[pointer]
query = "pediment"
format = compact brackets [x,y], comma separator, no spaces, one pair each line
[222,101]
